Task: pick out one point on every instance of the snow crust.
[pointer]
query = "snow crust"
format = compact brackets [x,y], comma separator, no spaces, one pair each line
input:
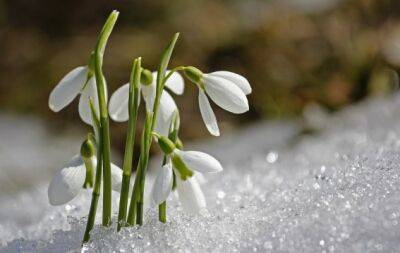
[337,190]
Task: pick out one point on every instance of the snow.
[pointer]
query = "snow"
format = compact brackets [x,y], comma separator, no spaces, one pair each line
[336,190]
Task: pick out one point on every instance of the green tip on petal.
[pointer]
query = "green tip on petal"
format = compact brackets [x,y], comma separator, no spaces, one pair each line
[181,167]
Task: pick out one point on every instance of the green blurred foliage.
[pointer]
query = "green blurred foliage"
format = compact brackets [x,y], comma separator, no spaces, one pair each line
[294,52]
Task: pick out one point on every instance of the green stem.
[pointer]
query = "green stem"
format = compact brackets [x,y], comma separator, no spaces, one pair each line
[104,121]
[107,186]
[151,117]
[97,182]
[134,86]
[143,167]
[162,208]
[131,219]
[89,173]
[135,197]
[173,136]
[95,200]
[162,212]
[171,72]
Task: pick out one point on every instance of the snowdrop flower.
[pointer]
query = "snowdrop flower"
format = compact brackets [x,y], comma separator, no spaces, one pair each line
[79,81]
[182,163]
[77,174]
[118,107]
[190,194]
[227,89]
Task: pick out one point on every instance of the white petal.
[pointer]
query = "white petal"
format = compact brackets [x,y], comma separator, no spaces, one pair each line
[90,91]
[200,178]
[67,89]
[116,177]
[118,105]
[237,79]
[149,94]
[148,186]
[67,183]
[199,161]
[207,114]
[226,94]
[175,83]
[190,195]
[163,184]
[165,115]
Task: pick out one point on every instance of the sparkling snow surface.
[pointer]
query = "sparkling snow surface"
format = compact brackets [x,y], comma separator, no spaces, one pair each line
[334,191]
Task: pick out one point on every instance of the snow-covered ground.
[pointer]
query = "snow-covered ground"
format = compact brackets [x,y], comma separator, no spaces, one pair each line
[335,191]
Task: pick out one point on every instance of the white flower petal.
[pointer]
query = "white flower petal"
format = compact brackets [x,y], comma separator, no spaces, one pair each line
[163,184]
[226,94]
[175,83]
[149,94]
[207,114]
[116,177]
[118,105]
[199,161]
[165,115]
[148,186]
[90,91]
[190,195]
[67,183]
[237,79]
[200,178]
[67,89]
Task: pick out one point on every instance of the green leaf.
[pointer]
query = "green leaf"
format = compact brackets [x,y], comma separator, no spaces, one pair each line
[95,117]
[106,31]
[165,58]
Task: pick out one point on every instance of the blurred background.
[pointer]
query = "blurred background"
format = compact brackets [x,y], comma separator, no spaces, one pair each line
[295,53]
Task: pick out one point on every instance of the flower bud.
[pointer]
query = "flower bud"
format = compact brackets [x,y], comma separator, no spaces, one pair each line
[193,74]
[87,148]
[87,153]
[166,145]
[91,137]
[146,78]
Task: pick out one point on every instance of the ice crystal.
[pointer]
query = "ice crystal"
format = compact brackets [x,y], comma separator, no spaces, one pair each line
[336,191]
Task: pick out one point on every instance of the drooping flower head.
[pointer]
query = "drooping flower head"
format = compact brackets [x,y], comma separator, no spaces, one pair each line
[118,107]
[78,174]
[227,89]
[78,81]
[183,164]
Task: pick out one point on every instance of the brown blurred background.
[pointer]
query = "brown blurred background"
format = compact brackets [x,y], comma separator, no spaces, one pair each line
[294,52]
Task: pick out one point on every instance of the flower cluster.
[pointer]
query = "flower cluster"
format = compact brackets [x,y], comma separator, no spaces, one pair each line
[181,169]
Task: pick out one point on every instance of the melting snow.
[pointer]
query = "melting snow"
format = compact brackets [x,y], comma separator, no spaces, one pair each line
[335,191]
